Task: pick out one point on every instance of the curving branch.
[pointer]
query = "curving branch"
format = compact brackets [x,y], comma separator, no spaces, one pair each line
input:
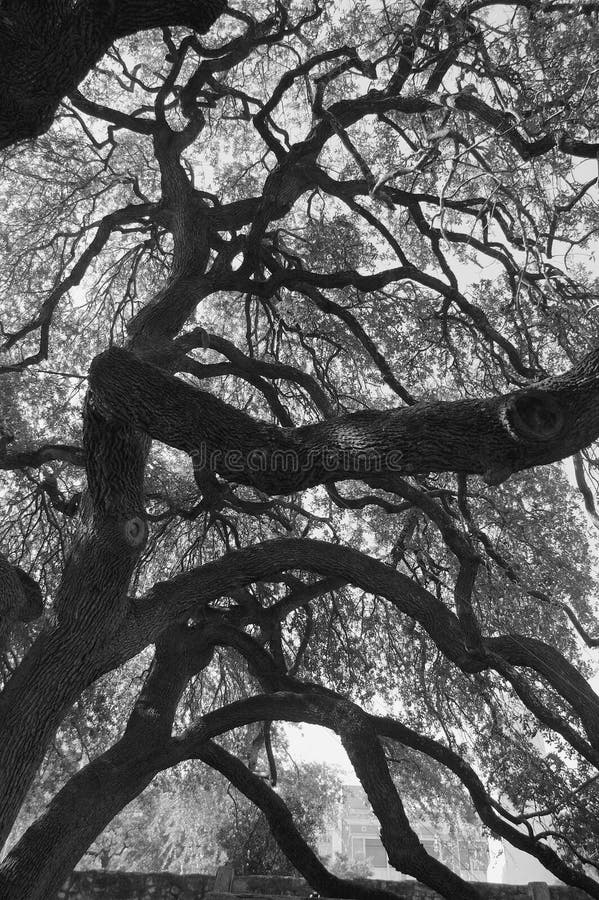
[494,437]
[188,594]
[361,734]
[36,457]
[283,828]
[286,834]
[147,747]
[506,126]
[48,48]
[40,862]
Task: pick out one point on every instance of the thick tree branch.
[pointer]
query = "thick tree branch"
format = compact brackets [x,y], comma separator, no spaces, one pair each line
[494,437]
[89,606]
[187,594]
[49,850]
[270,678]
[127,767]
[284,829]
[48,48]
[35,457]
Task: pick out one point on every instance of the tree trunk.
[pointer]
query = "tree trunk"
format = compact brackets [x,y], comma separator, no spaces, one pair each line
[51,848]
[90,605]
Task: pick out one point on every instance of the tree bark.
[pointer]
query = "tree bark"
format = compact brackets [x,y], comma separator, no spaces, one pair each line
[404,849]
[51,846]
[188,594]
[284,829]
[48,47]
[89,608]
[50,849]
[494,437]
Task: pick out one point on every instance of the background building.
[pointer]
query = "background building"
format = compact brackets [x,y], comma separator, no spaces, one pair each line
[355,836]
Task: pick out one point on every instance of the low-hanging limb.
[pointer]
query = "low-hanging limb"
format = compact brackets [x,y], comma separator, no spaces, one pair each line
[50,849]
[358,731]
[65,660]
[263,667]
[133,763]
[493,437]
[283,828]
[360,734]
[484,805]
[293,845]
[101,789]
[404,849]
[188,594]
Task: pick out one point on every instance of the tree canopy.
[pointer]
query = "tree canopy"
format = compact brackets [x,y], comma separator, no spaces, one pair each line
[299,325]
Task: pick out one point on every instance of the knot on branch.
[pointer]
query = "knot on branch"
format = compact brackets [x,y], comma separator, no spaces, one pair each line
[533,416]
[135,531]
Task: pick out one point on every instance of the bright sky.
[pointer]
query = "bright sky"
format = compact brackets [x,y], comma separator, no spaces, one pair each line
[311,743]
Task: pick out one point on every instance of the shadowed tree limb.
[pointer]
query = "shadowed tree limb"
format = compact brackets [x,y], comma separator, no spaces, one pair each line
[146,748]
[286,834]
[42,675]
[49,850]
[494,437]
[404,849]
[284,829]
[187,594]
[360,734]
[35,457]
[270,678]
[89,606]
[48,48]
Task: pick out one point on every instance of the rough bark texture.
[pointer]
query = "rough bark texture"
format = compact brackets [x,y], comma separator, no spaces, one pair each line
[37,867]
[188,594]
[134,396]
[92,798]
[494,437]
[284,829]
[89,608]
[47,48]
[181,598]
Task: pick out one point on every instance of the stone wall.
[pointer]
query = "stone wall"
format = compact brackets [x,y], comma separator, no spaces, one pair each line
[135,886]
[165,886]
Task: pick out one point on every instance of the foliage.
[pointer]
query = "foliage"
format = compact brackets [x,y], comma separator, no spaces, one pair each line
[311,795]
[344,867]
[298,421]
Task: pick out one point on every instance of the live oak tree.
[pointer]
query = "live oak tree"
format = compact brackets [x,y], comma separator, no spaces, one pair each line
[319,288]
